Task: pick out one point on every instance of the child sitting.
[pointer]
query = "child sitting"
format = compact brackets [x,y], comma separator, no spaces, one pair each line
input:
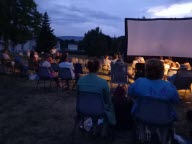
[123,106]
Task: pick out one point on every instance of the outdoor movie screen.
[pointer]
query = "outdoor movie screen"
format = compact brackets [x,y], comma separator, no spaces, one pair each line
[159,37]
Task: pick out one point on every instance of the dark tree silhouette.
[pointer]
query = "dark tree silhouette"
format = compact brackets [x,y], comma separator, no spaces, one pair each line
[46,39]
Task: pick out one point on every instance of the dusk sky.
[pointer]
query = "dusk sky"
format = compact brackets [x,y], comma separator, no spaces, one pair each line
[76,17]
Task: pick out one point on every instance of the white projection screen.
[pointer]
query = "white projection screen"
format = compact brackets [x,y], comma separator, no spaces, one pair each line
[159,37]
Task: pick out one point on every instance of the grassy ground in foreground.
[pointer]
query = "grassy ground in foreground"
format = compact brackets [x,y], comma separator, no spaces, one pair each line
[33,116]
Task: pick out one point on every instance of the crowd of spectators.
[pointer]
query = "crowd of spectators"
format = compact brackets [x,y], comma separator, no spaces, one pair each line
[122,105]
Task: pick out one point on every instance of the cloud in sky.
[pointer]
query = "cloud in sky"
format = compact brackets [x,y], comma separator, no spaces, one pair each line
[76,17]
[175,10]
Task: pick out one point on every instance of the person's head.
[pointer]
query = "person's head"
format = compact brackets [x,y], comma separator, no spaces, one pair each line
[154,69]
[166,61]
[115,56]
[120,91]
[64,57]
[47,57]
[119,59]
[93,65]
[106,56]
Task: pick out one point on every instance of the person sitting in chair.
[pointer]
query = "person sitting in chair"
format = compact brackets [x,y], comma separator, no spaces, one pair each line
[122,105]
[182,72]
[153,87]
[98,84]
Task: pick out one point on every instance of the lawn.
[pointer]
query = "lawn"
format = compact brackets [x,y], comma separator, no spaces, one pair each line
[37,116]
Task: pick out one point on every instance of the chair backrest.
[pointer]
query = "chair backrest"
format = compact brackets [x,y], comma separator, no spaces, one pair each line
[43,73]
[90,103]
[153,111]
[78,68]
[65,73]
[119,73]
[55,67]
[182,82]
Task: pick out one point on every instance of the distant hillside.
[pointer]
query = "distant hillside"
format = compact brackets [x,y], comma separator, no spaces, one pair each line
[75,38]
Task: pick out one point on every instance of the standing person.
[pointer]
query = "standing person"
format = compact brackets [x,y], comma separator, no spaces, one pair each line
[98,85]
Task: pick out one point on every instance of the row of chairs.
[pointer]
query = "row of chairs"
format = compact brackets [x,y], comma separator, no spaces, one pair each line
[44,75]
[91,104]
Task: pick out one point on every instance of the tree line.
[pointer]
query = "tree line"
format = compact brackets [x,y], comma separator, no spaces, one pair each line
[21,21]
[95,43]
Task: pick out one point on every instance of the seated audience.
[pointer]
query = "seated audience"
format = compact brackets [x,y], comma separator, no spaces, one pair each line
[187,64]
[66,64]
[139,70]
[53,52]
[47,62]
[21,63]
[5,55]
[119,60]
[33,61]
[174,66]
[161,59]
[107,62]
[182,72]
[58,57]
[141,60]
[173,69]
[99,84]
[78,68]
[153,86]
[7,60]
[114,58]
[134,62]
[166,67]
[122,106]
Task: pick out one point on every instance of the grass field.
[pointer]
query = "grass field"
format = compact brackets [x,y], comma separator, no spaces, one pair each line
[38,116]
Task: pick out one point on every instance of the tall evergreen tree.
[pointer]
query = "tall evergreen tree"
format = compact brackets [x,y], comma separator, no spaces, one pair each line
[46,39]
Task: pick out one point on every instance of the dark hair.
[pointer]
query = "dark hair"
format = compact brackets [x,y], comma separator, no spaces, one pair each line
[64,57]
[154,69]
[119,91]
[93,65]
[115,56]
[47,55]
